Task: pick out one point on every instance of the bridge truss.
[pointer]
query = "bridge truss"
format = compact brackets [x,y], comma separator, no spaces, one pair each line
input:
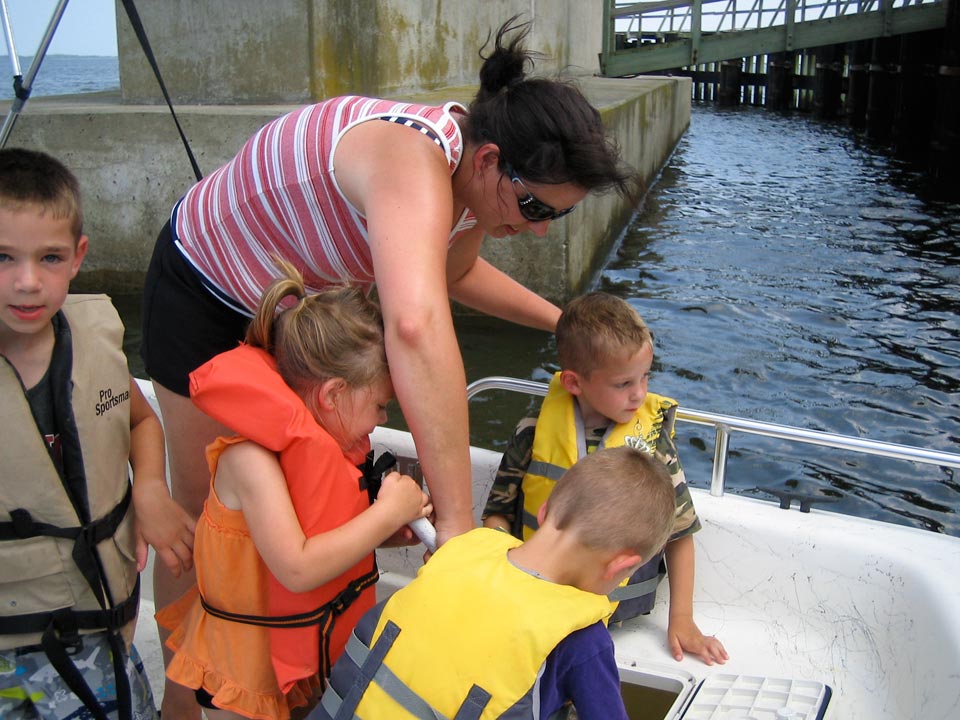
[643,37]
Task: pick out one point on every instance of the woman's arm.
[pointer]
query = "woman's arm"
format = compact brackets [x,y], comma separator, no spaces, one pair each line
[249,478]
[481,286]
[399,180]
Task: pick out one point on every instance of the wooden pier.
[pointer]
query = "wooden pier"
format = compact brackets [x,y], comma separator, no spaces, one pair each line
[890,68]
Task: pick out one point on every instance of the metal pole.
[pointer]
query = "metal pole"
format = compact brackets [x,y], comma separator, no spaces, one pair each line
[8,34]
[608,37]
[720,450]
[696,27]
[22,89]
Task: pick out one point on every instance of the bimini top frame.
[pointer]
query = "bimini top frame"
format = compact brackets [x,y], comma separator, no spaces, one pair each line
[22,85]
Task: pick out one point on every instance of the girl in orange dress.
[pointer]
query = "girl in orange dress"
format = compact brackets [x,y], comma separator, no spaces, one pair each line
[284,547]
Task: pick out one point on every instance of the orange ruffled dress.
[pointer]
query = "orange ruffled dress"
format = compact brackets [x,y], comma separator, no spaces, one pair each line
[216,654]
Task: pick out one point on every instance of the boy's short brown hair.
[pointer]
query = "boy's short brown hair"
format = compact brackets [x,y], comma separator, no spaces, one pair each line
[30,177]
[597,327]
[616,499]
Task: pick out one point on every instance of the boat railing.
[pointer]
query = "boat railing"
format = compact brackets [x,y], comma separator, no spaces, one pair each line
[726,425]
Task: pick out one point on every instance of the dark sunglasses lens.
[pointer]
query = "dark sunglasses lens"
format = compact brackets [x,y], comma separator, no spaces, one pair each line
[536,211]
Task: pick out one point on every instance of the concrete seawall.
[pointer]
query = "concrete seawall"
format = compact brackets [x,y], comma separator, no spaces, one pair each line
[132,168]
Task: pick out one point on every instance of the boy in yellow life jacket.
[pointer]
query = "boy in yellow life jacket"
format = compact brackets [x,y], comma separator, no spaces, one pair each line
[599,400]
[493,627]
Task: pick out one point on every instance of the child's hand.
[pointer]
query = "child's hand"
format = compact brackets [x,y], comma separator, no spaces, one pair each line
[162,523]
[407,501]
[683,634]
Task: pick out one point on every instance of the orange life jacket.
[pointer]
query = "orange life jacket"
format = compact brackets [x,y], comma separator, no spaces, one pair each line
[242,389]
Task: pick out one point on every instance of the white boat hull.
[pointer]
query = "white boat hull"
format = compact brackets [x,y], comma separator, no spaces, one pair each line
[870,610]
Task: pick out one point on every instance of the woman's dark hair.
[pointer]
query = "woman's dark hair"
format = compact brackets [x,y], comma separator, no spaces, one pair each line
[545,128]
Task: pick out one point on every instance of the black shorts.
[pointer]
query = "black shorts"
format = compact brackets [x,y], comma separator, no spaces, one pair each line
[184,325]
[204,699]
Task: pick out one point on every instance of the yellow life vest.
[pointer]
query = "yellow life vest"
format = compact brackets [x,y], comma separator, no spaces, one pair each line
[472,630]
[559,441]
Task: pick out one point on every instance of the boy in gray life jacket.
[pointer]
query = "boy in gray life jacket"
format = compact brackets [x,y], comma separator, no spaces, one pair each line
[73,418]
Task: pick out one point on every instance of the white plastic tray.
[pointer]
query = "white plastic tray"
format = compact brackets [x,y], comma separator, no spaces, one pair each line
[742,697]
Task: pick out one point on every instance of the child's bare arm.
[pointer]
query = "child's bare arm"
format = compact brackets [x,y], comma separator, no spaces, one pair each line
[250,478]
[497,522]
[161,522]
[682,631]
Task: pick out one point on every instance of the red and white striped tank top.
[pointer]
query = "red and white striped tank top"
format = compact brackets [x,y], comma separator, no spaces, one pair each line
[279,196]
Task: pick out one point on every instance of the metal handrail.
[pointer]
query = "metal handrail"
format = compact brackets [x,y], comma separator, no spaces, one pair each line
[724,425]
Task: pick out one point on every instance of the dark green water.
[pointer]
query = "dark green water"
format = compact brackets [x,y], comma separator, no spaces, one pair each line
[793,274]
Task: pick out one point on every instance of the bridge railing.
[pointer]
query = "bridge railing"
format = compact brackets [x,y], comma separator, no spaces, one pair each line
[637,19]
[709,30]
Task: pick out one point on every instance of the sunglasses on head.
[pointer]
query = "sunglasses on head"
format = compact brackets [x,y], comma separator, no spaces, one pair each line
[531,208]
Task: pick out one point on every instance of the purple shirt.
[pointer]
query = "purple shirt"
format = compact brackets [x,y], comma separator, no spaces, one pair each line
[582,669]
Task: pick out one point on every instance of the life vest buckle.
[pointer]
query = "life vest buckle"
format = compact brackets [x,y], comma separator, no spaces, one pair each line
[343,600]
[65,625]
[23,523]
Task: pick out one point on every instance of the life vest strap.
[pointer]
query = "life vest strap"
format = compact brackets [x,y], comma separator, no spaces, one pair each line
[317,616]
[635,590]
[324,617]
[61,638]
[372,669]
[473,704]
[530,521]
[22,525]
[108,619]
[372,471]
[58,645]
[85,538]
[545,469]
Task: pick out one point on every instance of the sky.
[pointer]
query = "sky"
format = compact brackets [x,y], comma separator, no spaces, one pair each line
[88,27]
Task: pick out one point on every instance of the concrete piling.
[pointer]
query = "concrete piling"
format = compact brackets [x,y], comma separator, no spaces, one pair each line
[945,146]
[858,84]
[730,90]
[780,81]
[901,90]
[827,81]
